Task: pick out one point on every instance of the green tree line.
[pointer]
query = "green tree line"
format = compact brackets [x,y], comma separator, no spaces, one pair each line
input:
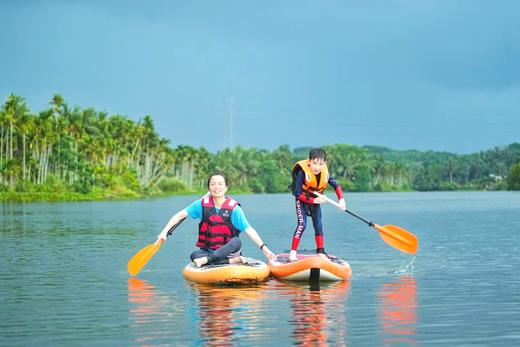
[87,153]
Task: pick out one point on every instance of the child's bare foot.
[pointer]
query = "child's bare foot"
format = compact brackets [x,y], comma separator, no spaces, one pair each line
[324,256]
[237,260]
[200,261]
[292,256]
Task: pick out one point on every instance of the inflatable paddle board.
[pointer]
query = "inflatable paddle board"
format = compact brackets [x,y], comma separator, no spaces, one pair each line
[253,271]
[310,267]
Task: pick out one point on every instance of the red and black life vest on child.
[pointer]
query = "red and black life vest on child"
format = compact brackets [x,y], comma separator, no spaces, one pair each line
[216,229]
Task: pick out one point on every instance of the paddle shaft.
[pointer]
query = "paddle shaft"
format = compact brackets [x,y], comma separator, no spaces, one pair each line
[393,235]
[141,258]
[347,211]
[175,226]
[179,222]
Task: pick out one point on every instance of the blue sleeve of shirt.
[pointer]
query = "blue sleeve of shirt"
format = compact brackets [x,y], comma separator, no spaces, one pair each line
[333,182]
[239,220]
[195,210]
[299,182]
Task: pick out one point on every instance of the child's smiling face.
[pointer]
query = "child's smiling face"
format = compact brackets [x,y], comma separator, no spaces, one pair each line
[317,165]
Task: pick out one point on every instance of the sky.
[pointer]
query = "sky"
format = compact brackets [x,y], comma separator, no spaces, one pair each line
[439,75]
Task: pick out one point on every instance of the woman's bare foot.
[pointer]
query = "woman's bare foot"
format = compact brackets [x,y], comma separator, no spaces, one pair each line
[236,260]
[200,261]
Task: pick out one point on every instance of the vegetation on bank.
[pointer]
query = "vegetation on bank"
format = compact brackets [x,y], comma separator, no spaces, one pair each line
[513,179]
[65,153]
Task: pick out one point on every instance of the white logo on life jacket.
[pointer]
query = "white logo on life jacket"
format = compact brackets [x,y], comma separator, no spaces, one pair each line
[307,177]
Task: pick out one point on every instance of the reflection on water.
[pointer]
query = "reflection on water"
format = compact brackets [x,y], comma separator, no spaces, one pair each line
[144,306]
[315,315]
[226,313]
[150,312]
[398,311]
[143,295]
[317,312]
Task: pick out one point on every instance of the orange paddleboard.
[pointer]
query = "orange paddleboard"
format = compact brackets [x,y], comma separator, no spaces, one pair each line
[310,267]
[254,271]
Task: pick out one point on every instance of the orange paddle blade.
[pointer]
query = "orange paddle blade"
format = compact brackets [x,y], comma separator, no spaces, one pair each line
[398,237]
[142,257]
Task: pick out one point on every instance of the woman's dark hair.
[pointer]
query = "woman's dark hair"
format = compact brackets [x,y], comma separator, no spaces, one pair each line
[218,173]
[318,153]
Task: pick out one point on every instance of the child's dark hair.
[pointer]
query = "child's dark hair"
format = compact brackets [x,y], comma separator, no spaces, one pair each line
[218,173]
[318,153]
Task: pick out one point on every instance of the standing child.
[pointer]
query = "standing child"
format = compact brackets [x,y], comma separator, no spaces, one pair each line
[308,176]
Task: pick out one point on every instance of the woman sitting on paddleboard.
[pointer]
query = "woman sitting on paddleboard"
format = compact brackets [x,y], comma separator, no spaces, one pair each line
[221,222]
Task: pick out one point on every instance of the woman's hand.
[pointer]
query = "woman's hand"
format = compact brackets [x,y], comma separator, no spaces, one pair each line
[163,235]
[268,254]
[172,223]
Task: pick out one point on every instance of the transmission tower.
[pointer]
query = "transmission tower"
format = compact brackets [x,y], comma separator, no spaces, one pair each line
[230,116]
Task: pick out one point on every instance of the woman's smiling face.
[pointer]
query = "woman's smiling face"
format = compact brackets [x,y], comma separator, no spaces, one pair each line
[217,186]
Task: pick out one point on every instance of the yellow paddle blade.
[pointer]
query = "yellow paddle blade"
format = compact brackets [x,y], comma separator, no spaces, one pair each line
[398,237]
[142,257]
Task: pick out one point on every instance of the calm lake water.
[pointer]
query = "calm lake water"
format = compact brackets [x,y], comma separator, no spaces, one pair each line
[63,278]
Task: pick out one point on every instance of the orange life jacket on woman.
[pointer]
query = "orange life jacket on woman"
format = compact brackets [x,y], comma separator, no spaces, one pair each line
[216,229]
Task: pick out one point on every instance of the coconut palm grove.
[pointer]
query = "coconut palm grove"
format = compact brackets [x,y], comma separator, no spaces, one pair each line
[74,153]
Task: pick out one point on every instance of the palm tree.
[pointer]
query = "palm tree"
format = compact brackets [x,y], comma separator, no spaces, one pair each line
[13,111]
[26,127]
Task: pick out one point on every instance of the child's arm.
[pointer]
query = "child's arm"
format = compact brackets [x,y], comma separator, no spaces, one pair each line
[299,193]
[339,192]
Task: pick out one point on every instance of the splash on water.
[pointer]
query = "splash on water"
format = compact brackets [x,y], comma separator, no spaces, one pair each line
[407,268]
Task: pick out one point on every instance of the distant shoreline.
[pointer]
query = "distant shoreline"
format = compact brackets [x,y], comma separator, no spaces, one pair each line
[67,153]
[21,197]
